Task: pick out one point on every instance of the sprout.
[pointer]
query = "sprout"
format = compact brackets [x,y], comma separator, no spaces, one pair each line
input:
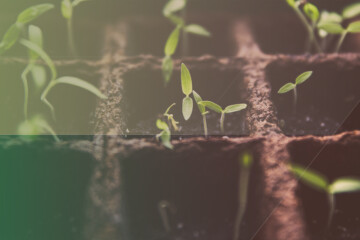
[229,109]
[320,183]
[170,117]
[165,134]
[202,110]
[186,84]
[292,86]
[36,126]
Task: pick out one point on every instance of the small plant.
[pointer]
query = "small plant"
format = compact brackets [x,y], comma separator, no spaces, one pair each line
[36,126]
[165,134]
[67,10]
[202,110]
[186,85]
[229,109]
[169,11]
[320,183]
[245,164]
[292,86]
[170,118]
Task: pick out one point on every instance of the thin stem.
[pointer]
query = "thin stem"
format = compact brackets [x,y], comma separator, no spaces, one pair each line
[205,125]
[331,198]
[340,42]
[71,40]
[44,95]
[26,88]
[222,119]
[295,98]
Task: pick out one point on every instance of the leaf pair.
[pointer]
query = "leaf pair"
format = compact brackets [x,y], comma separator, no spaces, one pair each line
[165,134]
[186,86]
[299,80]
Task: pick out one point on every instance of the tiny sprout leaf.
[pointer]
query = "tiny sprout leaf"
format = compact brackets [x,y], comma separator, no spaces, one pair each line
[354,27]
[39,76]
[303,77]
[186,81]
[312,12]
[173,6]
[332,27]
[235,108]
[351,11]
[197,100]
[211,105]
[187,107]
[10,38]
[344,185]
[36,37]
[66,9]
[330,17]
[167,68]
[246,160]
[286,88]
[161,125]
[33,12]
[197,29]
[172,42]
[166,139]
[82,84]
[311,178]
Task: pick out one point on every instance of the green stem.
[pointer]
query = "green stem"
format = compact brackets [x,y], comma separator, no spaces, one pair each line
[71,40]
[222,119]
[340,42]
[205,125]
[331,198]
[26,88]
[295,98]
[44,95]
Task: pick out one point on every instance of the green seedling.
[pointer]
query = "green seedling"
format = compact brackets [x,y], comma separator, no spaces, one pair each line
[36,126]
[202,110]
[293,86]
[170,10]
[229,109]
[186,85]
[170,117]
[245,164]
[351,11]
[321,183]
[165,134]
[67,10]
[25,17]
[165,208]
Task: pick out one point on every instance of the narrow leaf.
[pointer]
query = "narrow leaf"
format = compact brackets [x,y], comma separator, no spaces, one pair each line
[173,6]
[197,29]
[33,12]
[161,125]
[303,77]
[172,42]
[312,12]
[186,81]
[36,37]
[81,84]
[66,9]
[344,185]
[235,108]
[332,27]
[10,38]
[187,107]
[312,178]
[167,68]
[351,10]
[329,17]
[286,88]
[354,27]
[166,139]
[197,100]
[211,105]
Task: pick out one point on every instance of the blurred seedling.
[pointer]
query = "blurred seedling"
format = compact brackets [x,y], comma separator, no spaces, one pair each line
[319,182]
[170,118]
[170,11]
[229,109]
[186,85]
[202,110]
[165,134]
[293,86]
[36,126]
[165,209]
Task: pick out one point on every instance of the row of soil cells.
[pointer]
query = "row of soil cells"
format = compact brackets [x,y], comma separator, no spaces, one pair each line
[222,85]
[198,182]
[328,102]
[43,188]
[334,159]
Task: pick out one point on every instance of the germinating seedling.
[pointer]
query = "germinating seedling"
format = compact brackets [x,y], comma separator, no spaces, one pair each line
[169,11]
[186,85]
[320,183]
[170,117]
[229,109]
[202,110]
[165,134]
[292,86]
[35,126]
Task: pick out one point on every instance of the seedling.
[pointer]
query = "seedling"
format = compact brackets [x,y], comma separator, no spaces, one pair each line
[292,86]
[186,84]
[36,126]
[165,134]
[67,10]
[229,109]
[165,208]
[170,117]
[169,11]
[245,164]
[321,183]
[202,110]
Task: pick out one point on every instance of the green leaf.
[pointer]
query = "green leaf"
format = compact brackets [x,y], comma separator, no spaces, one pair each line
[161,125]
[186,81]
[351,10]
[312,12]
[173,6]
[77,2]
[66,9]
[312,178]
[81,84]
[235,108]
[36,37]
[211,105]
[197,100]
[167,68]
[332,27]
[303,77]
[344,185]
[354,27]
[197,29]
[10,38]
[187,107]
[172,42]
[286,88]
[33,12]
[38,74]
[329,17]
[166,139]
[292,3]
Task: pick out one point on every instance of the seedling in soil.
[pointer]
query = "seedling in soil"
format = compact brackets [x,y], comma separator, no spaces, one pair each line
[321,183]
[36,126]
[165,134]
[292,86]
[186,85]
[229,109]
[165,208]
[25,17]
[202,110]
[170,117]
[67,10]
[169,11]
[245,164]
